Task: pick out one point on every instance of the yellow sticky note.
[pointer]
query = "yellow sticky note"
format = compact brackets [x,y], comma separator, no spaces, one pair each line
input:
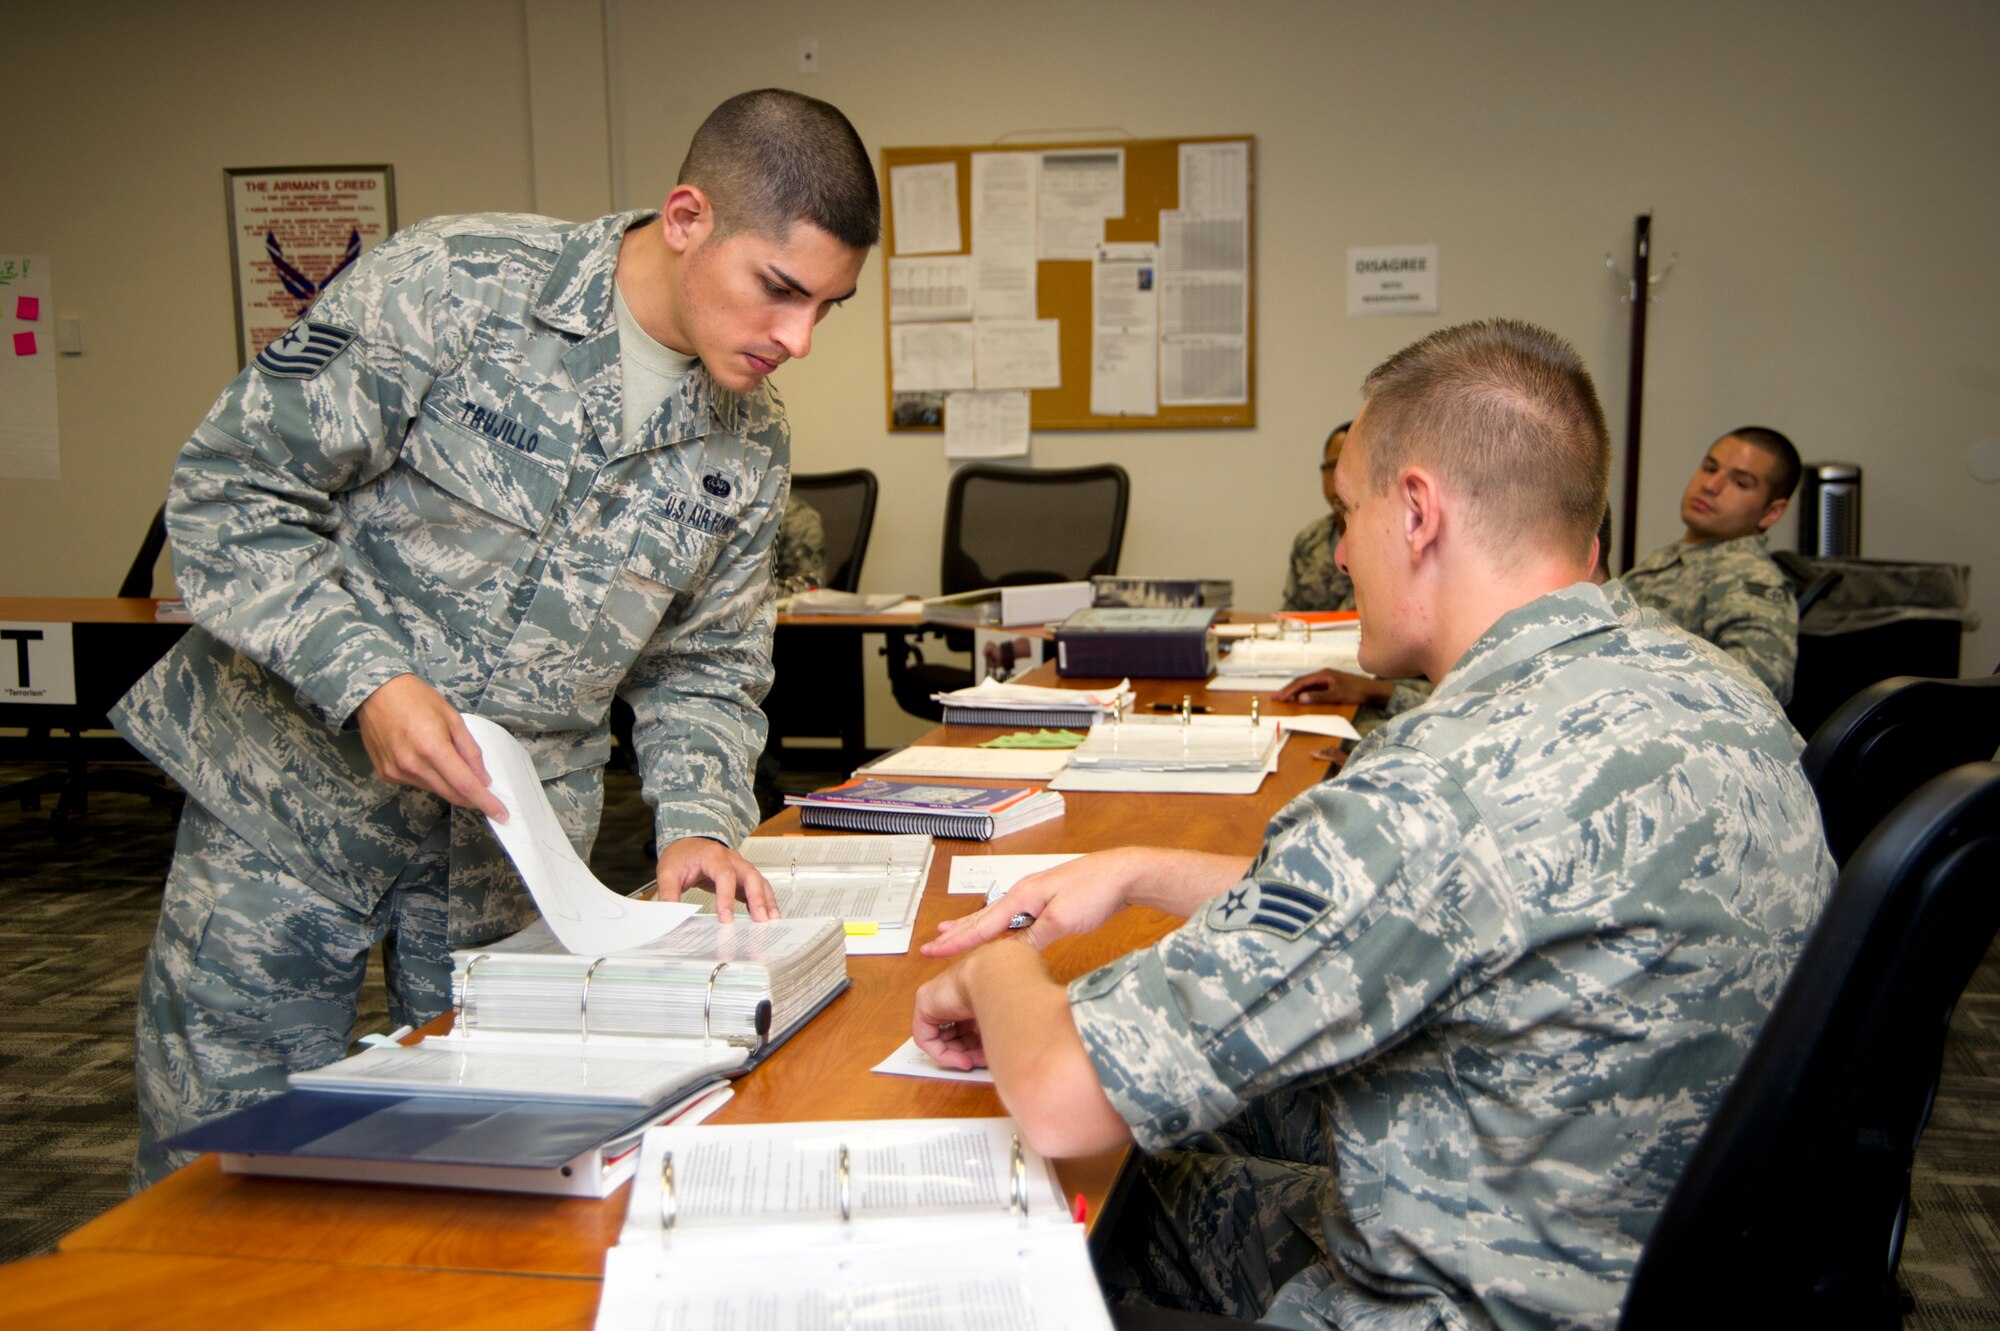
[860,928]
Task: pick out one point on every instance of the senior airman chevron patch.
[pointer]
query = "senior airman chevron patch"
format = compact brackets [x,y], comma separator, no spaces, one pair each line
[304,350]
[1278,908]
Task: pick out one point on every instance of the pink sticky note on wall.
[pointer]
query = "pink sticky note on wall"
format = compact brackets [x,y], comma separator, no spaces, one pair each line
[24,344]
[28,308]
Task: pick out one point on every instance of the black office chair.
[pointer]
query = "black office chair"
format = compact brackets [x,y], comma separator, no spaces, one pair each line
[845,501]
[1890,738]
[1792,1207]
[79,775]
[1010,527]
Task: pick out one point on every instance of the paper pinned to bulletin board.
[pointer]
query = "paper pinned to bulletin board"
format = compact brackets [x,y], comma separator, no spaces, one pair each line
[1112,282]
[29,448]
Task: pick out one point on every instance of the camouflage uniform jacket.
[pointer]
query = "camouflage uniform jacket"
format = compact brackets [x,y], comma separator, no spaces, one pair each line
[427,474]
[1513,955]
[798,561]
[1314,581]
[1730,593]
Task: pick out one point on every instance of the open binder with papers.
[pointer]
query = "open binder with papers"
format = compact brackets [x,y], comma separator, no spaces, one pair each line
[534,1022]
[1210,755]
[869,1219]
[871,884]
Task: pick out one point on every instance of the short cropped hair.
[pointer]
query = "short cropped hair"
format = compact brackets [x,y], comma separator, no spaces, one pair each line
[1337,430]
[1507,415]
[1786,478]
[769,158]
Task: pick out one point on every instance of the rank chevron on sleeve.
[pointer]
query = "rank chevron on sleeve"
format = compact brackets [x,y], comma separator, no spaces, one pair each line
[305,349]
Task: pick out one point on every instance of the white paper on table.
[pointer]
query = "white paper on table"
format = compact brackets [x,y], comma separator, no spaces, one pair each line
[1079,188]
[1017,353]
[918,760]
[990,876]
[587,916]
[930,358]
[924,200]
[986,425]
[910,1061]
[1328,724]
[930,289]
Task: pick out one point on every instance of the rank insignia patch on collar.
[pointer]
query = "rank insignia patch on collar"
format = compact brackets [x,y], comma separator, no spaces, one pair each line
[305,349]
[1278,908]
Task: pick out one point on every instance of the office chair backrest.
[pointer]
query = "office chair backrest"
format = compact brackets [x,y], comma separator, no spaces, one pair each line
[139,578]
[1890,738]
[845,501]
[1007,526]
[1790,1212]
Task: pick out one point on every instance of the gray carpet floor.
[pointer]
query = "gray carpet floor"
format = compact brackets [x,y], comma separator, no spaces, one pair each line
[76,916]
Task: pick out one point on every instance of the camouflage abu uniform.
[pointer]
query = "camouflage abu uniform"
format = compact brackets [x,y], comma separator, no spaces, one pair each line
[798,560]
[1314,582]
[428,475]
[1437,1061]
[1730,593]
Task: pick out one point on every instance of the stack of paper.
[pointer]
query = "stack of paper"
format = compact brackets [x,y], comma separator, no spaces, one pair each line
[526,983]
[1260,665]
[1208,755]
[991,703]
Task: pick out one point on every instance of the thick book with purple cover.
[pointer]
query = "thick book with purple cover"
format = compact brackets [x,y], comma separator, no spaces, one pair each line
[971,813]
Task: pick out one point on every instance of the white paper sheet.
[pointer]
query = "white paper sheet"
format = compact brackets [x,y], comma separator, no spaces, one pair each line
[1003,235]
[986,425]
[944,760]
[930,290]
[910,1061]
[1017,353]
[990,876]
[585,914]
[1333,727]
[928,358]
[1125,330]
[1215,178]
[1080,187]
[925,203]
[1204,309]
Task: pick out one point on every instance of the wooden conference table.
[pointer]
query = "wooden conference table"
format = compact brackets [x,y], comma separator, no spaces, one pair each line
[202,1246]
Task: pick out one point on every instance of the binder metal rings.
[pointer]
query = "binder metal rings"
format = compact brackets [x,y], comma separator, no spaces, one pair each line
[464,1005]
[708,1003]
[846,1187]
[669,1210]
[583,1002]
[1018,1180]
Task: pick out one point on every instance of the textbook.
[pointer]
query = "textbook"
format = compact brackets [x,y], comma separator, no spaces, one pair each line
[563,1150]
[932,1222]
[535,1022]
[1162,644]
[966,813]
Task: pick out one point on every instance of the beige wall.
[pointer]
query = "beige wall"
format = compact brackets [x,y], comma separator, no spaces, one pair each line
[1827,175]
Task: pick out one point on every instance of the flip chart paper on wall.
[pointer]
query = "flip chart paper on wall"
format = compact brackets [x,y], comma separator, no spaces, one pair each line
[29,446]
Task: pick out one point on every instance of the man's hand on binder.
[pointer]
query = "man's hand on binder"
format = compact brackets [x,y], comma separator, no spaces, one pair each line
[693,861]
